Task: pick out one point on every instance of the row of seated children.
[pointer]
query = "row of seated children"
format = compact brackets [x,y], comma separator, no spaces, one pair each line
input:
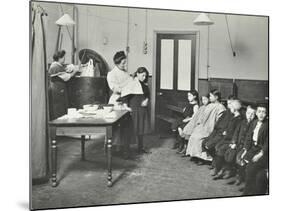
[200,125]
[237,145]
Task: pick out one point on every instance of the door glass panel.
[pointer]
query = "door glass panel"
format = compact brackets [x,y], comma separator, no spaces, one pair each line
[184,65]
[167,64]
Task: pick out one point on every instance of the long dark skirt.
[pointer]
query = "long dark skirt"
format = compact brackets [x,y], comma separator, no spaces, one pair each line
[140,115]
[58,97]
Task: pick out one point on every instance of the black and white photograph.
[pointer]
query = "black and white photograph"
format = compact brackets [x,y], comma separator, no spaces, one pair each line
[134,105]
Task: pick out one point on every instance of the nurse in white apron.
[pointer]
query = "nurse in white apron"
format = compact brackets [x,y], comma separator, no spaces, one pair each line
[118,77]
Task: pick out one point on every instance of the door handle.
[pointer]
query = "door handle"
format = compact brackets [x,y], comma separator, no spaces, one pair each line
[159,93]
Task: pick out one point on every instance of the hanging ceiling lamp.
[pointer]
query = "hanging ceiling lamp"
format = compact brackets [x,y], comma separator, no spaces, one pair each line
[203,20]
[65,20]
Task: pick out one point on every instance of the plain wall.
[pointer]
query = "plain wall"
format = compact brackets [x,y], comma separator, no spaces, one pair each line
[249,35]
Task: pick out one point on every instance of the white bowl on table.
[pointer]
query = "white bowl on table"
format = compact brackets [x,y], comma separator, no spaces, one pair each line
[107,108]
[90,108]
[94,107]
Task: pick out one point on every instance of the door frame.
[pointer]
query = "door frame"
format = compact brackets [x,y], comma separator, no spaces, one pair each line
[153,91]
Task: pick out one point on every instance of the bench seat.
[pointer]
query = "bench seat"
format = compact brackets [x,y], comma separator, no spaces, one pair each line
[166,118]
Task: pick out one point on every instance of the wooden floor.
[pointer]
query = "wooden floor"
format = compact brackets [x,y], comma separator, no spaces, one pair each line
[160,176]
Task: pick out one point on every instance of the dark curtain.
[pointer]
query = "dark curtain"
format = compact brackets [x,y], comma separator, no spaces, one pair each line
[39,134]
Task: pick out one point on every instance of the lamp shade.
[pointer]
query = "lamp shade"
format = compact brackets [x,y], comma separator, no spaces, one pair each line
[65,20]
[203,20]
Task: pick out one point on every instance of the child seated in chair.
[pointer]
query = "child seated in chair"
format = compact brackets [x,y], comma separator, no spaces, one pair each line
[209,143]
[235,149]
[185,133]
[256,149]
[223,145]
[188,112]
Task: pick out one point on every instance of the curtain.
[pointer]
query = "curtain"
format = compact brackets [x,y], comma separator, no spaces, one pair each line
[39,134]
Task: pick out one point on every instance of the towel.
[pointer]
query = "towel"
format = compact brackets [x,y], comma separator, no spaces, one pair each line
[132,87]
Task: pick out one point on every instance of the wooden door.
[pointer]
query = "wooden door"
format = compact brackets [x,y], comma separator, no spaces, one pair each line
[175,70]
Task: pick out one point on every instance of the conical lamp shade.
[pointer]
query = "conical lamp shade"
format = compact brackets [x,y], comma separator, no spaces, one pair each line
[203,19]
[65,20]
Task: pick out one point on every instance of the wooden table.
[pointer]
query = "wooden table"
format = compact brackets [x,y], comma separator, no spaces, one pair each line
[83,127]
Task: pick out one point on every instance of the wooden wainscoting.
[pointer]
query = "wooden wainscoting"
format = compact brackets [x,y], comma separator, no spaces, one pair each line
[225,86]
[254,91]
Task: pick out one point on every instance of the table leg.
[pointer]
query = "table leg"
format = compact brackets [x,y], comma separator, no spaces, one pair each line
[82,147]
[109,159]
[54,163]
[105,145]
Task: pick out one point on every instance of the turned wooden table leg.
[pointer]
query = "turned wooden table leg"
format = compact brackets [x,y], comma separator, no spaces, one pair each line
[83,147]
[108,136]
[54,163]
[105,145]
[109,160]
